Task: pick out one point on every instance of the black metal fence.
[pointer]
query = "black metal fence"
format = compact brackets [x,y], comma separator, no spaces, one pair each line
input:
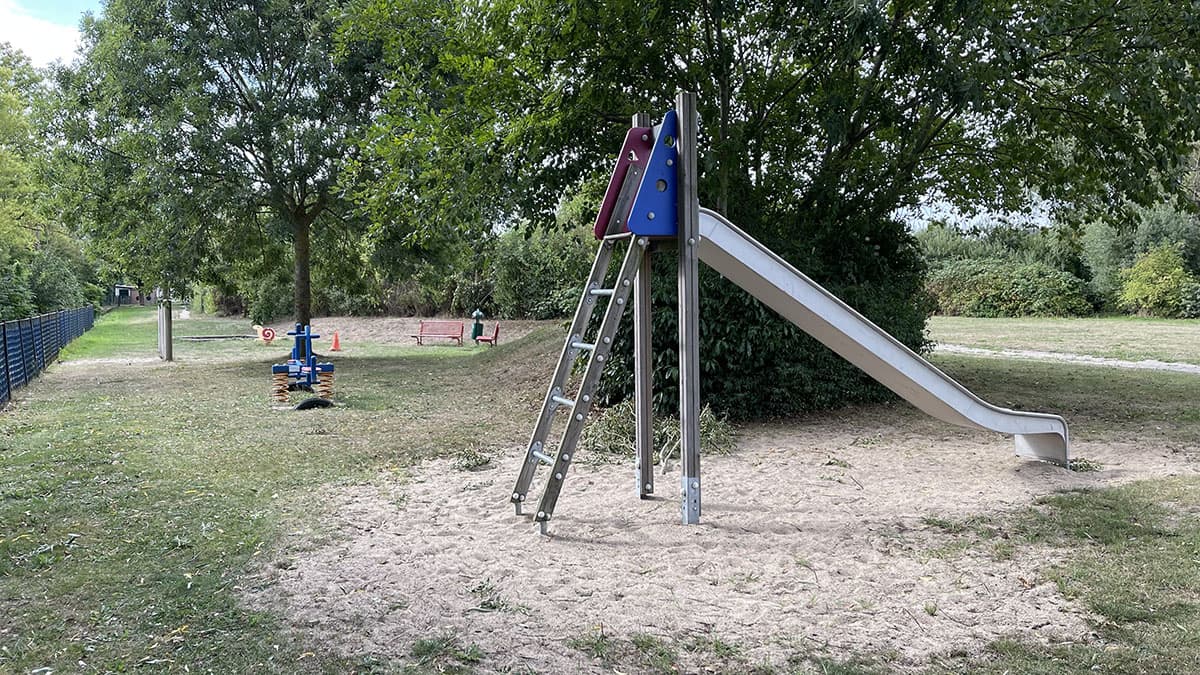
[27,346]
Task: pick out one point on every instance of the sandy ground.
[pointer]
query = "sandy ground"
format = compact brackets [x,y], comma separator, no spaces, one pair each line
[796,553]
[399,330]
[1084,359]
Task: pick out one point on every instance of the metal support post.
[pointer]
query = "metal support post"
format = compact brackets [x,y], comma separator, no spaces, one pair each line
[643,366]
[166,345]
[689,309]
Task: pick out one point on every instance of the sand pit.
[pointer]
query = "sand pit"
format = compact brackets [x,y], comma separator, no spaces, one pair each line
[811,542]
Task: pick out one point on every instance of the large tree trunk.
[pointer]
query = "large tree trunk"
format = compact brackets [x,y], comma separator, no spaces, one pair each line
[301,227]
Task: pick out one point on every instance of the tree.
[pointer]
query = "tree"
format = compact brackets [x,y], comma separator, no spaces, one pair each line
[216,123]
[818,121]
[42,267]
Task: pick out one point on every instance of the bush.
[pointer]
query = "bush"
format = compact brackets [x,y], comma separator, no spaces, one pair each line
[16,300]
[273,297]
[1108,250]
[755,364]
[1155,284]
[998,288]
[338,301]
[53,284]
[612,432]
[539,273]
[1189,300]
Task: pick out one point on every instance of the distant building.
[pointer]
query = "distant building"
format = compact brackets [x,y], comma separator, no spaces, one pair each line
[125,294]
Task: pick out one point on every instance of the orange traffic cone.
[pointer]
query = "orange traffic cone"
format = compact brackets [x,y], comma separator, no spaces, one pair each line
[337,344]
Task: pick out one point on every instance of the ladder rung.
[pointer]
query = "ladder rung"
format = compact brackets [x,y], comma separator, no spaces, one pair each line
[619,235]
[542,457]
[601,291]
[563,400]
[583,345]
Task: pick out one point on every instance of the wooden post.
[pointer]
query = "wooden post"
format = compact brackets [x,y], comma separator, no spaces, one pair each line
[689,308]
[643,366]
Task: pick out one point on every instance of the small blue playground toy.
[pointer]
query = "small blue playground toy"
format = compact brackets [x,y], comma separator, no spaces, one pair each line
[303,372]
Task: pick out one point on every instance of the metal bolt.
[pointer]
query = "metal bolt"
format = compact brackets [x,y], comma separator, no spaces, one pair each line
[566,457]
[600,357]
[586,398]
[541,514]
[650,216]
[558,476]
[516,495]
[607,340]
[670,162]
[691,241]
[620,301]
[645,137]
[695,485]
[522,497]
[579,417]
[625,283]
[649,486]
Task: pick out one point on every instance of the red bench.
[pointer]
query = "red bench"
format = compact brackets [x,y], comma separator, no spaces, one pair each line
[452,330]
[491,341]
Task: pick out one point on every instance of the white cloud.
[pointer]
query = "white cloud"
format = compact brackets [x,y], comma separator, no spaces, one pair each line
[42,41]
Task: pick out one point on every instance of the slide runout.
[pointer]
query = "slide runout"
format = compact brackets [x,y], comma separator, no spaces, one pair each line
[743,260]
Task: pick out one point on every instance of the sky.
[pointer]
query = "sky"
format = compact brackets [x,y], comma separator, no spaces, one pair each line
[46,30]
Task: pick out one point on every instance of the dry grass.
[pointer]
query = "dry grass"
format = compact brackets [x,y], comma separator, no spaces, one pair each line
[1129,338]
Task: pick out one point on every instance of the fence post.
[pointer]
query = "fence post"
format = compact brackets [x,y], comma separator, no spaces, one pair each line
[4,355]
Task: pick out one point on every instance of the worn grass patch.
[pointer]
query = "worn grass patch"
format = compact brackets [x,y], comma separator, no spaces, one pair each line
[1132,559]
[134,494]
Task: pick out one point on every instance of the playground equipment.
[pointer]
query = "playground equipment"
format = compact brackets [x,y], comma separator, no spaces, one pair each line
[302,371]
[652,197]
[265,334]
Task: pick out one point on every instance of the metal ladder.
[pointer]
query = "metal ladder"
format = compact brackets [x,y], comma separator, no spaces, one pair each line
[599,349]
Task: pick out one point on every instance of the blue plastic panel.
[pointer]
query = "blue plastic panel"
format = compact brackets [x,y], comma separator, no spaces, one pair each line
[656,206]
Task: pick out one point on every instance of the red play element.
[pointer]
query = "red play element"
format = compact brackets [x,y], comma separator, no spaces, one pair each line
[491,341]
[452,330]
[268,334]
[635,151]
[337,344]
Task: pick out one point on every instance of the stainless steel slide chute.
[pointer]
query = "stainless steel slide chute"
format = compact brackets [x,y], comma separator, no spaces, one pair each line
[766,276]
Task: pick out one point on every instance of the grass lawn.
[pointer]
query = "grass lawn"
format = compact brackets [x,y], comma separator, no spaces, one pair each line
[136,497]
[1125,337]
[135,493]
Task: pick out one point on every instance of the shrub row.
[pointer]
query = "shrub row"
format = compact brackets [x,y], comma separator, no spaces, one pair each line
[1000,288]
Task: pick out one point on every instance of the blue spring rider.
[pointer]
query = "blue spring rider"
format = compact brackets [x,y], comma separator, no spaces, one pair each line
[302,372]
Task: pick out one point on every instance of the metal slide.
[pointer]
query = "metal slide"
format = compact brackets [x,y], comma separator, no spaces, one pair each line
[766,276]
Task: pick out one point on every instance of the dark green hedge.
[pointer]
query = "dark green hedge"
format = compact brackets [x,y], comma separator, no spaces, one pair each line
[999,288]
[754,364]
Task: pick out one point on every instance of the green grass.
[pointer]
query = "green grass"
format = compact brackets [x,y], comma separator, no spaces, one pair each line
[1134,560]
[134,496]
[1098,403]
[1123,337]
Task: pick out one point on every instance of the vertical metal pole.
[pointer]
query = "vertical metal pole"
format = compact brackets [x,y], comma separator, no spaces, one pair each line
[4,366]
[170,333]
[643,366]
[689,308]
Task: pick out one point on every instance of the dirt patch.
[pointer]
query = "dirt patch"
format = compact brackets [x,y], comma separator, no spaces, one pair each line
[812,541]
[399,330]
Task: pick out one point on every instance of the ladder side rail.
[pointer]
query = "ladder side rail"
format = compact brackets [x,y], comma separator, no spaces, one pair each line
[583,402]
[583,314]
